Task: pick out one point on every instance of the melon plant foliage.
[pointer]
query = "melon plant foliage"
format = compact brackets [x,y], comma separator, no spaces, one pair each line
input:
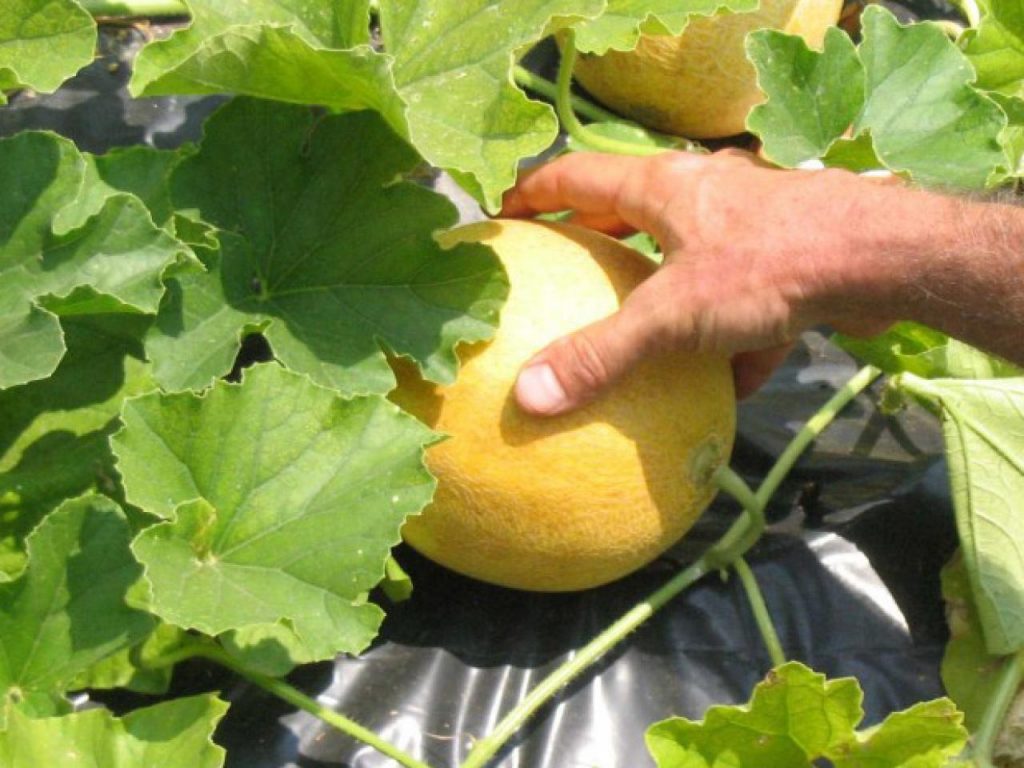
[152,498]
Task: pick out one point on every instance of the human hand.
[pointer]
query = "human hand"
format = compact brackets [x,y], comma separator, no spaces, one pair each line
[753,256]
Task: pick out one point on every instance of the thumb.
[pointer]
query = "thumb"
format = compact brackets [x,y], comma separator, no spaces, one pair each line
[577,368]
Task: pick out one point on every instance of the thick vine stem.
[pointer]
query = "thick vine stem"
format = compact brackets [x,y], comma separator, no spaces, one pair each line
[812,429]
[549,90]
[135,8]
[571,123]
[278,687]
[487,747]
[1010,679]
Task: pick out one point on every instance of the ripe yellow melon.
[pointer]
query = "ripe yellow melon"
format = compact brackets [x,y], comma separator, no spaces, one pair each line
[699,84]
[572,501]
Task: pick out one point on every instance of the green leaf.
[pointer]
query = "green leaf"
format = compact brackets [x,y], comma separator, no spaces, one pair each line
[114,262]
[53,432]
[453,68]
[173,734]
[127,669]
[970,674]
[67,611]
[323,251]
[266,649]
[925,736]
[856,154]
[918,109]
[996,47]
[396,585]
[801,123]
[442,56]
[917,349]
[141,171]
[1012,139]
[283,499]
[43,43]
[925,117]
[794,716]
[204,47]
[983,424]
[622,23]
[217,55]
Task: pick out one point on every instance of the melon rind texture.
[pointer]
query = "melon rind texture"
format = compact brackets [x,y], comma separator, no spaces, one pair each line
[699,84]
[578,500]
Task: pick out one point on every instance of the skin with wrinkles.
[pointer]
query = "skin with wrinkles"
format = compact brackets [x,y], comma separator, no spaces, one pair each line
[700,83]
[572,502]
[755,255]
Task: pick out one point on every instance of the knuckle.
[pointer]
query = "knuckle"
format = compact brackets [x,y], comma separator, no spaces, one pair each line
[585,367]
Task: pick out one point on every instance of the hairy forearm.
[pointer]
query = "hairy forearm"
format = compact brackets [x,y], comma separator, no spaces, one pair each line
[954,264]
[978,280]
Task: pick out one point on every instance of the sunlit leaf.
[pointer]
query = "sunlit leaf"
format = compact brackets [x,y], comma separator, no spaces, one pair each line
[324,250]
[43,43]
[67,611]
[283,501]
[172,734]
[983,423]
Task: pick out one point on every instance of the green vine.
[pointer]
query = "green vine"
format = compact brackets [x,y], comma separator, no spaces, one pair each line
[761,614]
[135,8]
[549,90]
[572,124]
[209,650]
[1010,679]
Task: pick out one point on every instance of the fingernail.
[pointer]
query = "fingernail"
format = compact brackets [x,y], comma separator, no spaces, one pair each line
[539,391]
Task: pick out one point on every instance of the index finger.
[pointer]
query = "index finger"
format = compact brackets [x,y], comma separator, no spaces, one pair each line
[603,187]
[586,182]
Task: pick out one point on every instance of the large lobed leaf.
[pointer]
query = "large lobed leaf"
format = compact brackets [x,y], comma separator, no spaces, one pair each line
[796,717]
[111,259]
[53,432]
[172,734]
[283,501]
[445,81]
[453,69]
[67,611]
[983,424]
[906,93]
[324,251]
[42,43]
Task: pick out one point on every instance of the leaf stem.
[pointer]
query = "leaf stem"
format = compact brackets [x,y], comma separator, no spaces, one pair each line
[209,650]
[571,123]
[486,748]
[812,429]
[727,551]
[970,11]
[549,90]
[951,28]
[746,530]
[135,8]
[761,614]
[1010,678]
